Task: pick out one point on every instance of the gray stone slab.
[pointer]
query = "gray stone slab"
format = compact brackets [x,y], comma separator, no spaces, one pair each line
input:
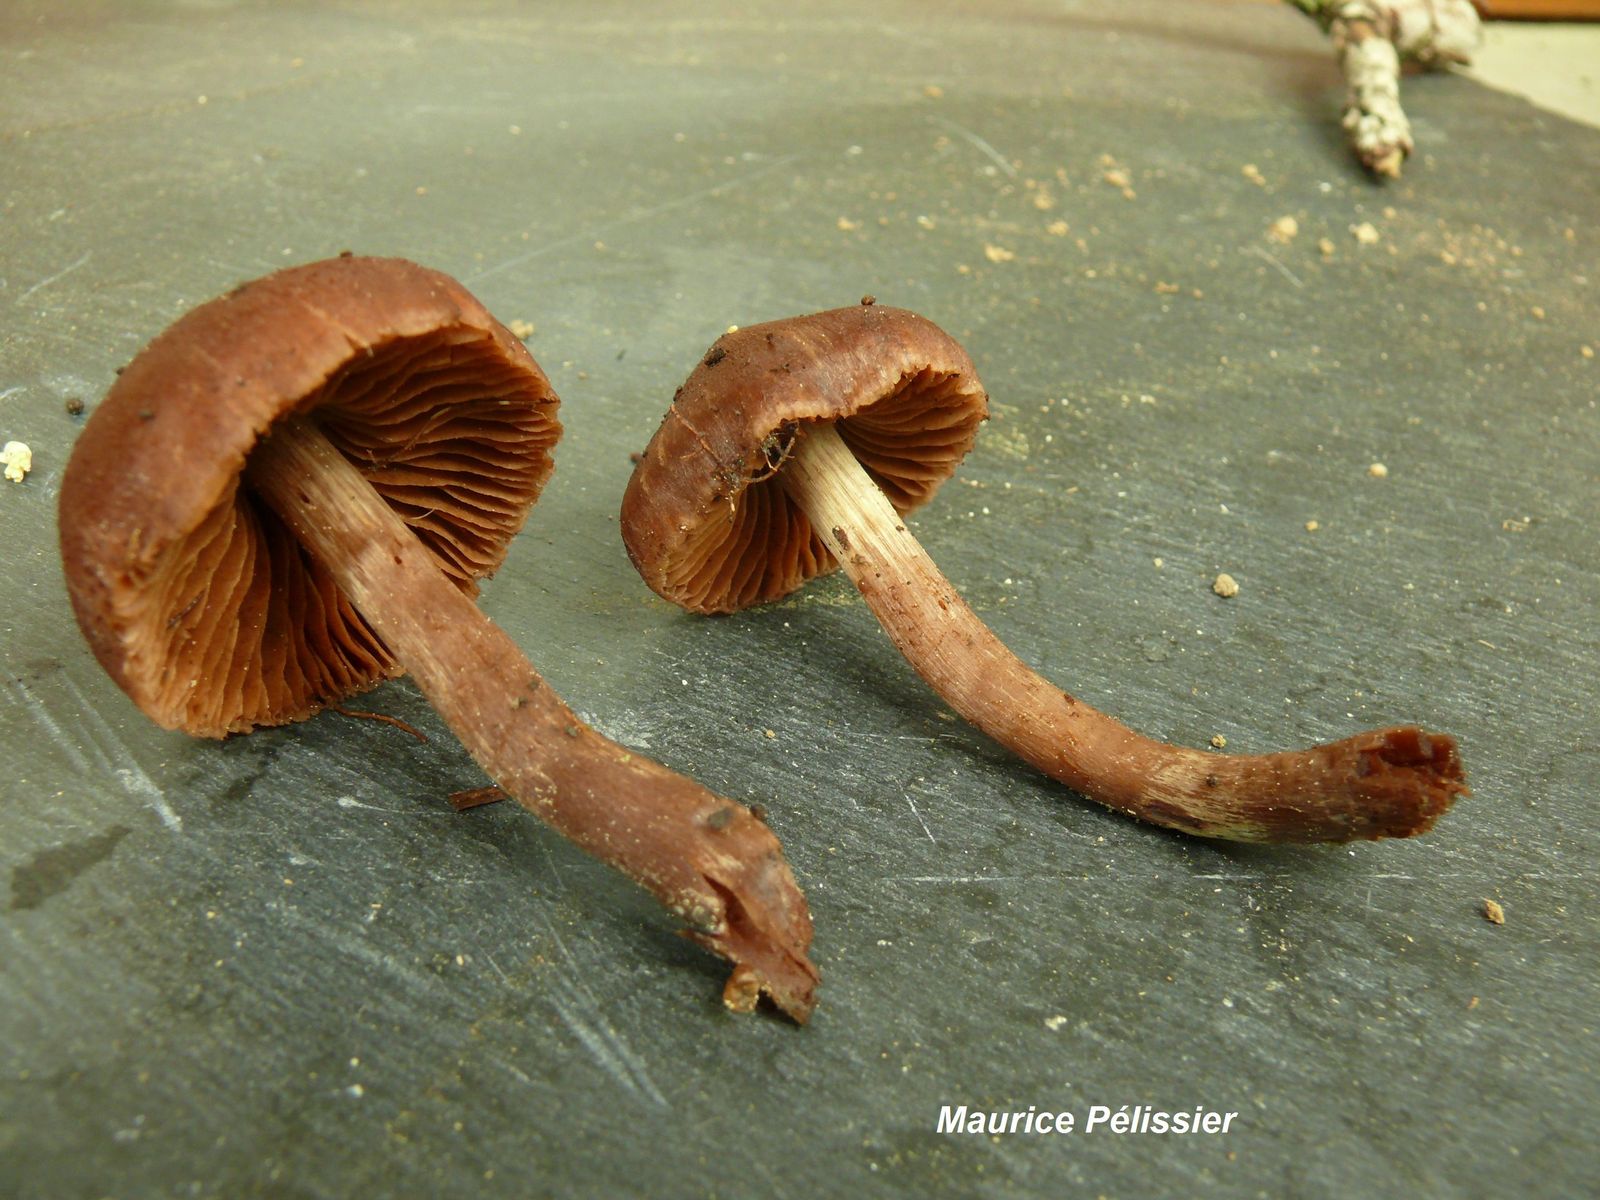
[282,966]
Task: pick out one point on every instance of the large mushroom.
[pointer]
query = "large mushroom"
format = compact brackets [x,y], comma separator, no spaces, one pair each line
[799,445]
[290,494]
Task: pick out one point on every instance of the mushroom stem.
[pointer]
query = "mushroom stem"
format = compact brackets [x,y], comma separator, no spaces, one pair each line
[1386,783]
[706,858]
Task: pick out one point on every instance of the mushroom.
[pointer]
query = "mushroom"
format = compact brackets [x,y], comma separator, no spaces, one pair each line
[289,496]
[799,445]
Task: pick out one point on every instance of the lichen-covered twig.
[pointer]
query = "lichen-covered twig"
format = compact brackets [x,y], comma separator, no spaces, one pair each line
[1371,38]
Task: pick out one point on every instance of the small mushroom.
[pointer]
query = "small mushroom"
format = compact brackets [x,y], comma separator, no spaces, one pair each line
[799,445]
[290,494]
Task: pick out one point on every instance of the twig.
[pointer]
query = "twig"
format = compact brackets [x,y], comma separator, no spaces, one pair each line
[476,797]
[1371,38]
[384,717]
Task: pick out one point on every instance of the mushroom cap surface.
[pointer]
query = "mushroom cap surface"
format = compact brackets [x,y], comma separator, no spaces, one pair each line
[705,519]
[193,595]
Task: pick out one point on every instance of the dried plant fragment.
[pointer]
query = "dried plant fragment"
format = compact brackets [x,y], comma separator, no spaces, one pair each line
[1372,38]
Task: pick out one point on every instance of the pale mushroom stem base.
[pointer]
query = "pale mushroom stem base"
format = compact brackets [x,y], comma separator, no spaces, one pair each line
[708,859]
[1385,783]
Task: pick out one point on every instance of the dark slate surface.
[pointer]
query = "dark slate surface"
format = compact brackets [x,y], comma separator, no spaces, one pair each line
[281,966]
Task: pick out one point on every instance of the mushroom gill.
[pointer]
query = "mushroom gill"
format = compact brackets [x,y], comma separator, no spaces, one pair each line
[236,626]
[909,442]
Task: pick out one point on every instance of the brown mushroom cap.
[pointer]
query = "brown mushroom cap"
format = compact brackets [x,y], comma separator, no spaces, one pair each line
[704,518]
[194,596]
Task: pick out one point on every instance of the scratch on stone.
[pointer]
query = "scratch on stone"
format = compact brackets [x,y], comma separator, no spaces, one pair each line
[1287,274]
[134,780]
[58,735]
[358,947]
[517,1071]
[994,155]
[136,783]
[497,969]
[555,872]
[48,280]
[966,878]
[920,821]
[599,1038]
[352,802]
[631,219]
[607,1049]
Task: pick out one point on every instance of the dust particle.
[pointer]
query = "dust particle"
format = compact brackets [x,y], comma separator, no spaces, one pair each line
[998,254]
[74,406]
[1253,173]
[1225,585]
[1283,231]
[1378,471]
[846,225]
[521,329]
[1586,351]
[1057,228]
[1326,247]
[1054,1023]
[1218,741]
[1366,233]
[1493,913]
[1313,526]
[933,91]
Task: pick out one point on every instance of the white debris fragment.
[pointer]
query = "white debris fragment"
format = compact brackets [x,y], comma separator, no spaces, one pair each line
[18,460]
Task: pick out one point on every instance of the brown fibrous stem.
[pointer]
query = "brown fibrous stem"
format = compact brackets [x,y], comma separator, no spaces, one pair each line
[705,857]
[1386,783]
